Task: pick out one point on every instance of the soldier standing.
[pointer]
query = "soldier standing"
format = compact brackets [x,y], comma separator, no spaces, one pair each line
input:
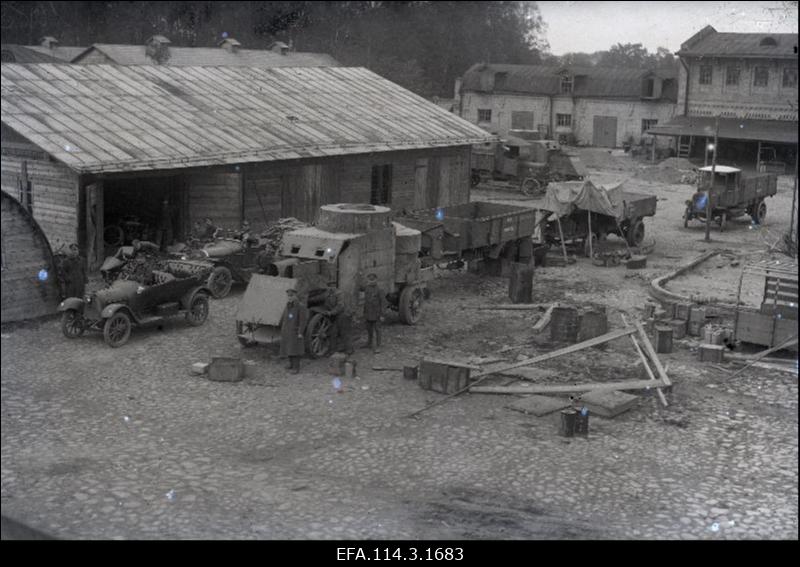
[293,322]
[342,321]
[374,304]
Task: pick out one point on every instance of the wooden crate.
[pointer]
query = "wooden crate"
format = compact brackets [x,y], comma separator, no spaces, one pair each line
[443,376]
[766,330]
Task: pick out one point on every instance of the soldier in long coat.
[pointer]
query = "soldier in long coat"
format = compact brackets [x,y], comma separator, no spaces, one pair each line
[293,324]
[374,306]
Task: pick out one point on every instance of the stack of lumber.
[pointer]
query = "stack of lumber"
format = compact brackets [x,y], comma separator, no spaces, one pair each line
[273,235]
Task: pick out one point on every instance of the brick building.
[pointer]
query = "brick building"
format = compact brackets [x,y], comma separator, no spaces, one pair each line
[747,81]
[585,105]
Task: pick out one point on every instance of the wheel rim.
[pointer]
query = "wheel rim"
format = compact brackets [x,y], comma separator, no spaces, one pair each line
[73,324]
[118,329]
[221,282]
[415,305]
[319,337]
[638,234]
[113,236]
[530,187]
[199,310]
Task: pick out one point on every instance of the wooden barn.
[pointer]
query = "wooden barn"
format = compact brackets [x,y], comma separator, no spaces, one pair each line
[29,286]
[100,144]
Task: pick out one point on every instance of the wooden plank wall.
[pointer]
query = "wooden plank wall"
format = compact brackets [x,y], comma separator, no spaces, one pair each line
[215,194]
[420,179]
[25,253]
[55,196]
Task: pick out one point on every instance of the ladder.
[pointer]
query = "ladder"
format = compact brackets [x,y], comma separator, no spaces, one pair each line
[684,148]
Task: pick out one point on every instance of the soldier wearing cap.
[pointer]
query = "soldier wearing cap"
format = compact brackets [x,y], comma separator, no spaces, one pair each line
[374,305]
[293,323]
[342,320]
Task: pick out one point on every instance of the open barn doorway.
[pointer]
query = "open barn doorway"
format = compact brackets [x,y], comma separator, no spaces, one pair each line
[150,208]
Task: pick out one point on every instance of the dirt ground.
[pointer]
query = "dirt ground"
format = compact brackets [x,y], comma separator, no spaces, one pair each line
[126,444]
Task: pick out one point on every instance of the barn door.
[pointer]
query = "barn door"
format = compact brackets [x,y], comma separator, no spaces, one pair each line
[95,247]
[605,131]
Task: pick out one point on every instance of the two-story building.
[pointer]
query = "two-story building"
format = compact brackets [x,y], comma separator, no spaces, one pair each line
[744,87]
[586,105]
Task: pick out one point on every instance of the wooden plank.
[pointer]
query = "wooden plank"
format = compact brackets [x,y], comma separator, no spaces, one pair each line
[652,353]
[567,388]
[786,344]
[643,358]
[544,320]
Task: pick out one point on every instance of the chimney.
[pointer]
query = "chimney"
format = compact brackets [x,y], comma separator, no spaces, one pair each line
[49,42]
[280,47]
[230,44]
[157,49]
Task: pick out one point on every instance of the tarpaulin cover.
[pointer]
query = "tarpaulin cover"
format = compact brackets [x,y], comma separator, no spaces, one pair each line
[564,197]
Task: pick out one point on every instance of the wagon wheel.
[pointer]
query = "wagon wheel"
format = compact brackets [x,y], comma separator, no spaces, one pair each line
[531,186]
[318,339]
[72,324]
[761,213]
[410,305]
[220,282]
[636,233]
[117,329]
[113,235]
[198,310]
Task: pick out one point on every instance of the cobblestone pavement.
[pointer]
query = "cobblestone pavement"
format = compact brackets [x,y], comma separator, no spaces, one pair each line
[126,443]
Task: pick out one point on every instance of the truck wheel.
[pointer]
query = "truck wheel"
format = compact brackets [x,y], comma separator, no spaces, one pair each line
[220,282]
[636,233]
[530,187]
[113,235]
[318,339]
[198,310]
[410,305]
[117,329]
[686,216]
[761,213]
[72,324]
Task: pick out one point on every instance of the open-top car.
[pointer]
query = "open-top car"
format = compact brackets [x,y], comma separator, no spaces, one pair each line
[177,289]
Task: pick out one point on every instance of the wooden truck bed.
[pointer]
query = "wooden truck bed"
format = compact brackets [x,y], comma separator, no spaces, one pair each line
[638,205]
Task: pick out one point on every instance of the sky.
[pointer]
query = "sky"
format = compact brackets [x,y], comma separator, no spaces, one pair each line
[595,26]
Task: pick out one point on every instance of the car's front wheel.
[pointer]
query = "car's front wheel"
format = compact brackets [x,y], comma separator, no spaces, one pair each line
[117,329]
[72,324]
[220,282]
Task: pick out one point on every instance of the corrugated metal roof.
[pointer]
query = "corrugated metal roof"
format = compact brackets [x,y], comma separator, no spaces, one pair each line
[709,42]
[110,118]
[777,131]
[546,80]
[210,56]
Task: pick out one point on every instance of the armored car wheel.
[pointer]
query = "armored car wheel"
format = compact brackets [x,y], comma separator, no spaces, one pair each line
[531,187]
[761,213]
[318,336]
[220,282]
[198,310]
[72,324]
[411,305]
[117,329]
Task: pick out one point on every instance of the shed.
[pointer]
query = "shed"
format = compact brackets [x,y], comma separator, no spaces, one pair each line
[29,286]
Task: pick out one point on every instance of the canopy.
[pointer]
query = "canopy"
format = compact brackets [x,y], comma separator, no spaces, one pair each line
[562,198]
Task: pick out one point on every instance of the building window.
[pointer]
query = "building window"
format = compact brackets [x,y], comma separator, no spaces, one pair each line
[564,120]
[790,77]
[648,123]
[706,73]
[484,115]
[381,189]
[521,120]
[760,77]
[566,84]
[732,75]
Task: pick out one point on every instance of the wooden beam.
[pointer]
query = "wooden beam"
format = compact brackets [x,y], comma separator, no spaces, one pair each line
[510,307]
[661,395]
[787,343]
[567,388]
[652,354]
[544,320]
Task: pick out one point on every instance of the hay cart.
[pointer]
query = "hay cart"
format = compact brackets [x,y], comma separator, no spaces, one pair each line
[349,242]
[729,195]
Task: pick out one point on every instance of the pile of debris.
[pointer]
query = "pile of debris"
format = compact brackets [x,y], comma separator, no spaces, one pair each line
[672,170]
[273,235]
[140,268]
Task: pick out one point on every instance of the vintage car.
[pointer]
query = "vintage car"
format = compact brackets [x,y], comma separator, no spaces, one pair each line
[235,259]
[178,289]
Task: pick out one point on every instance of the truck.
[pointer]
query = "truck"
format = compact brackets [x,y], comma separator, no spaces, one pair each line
[730,194]
[586,212]
[525,159]
[348,242]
